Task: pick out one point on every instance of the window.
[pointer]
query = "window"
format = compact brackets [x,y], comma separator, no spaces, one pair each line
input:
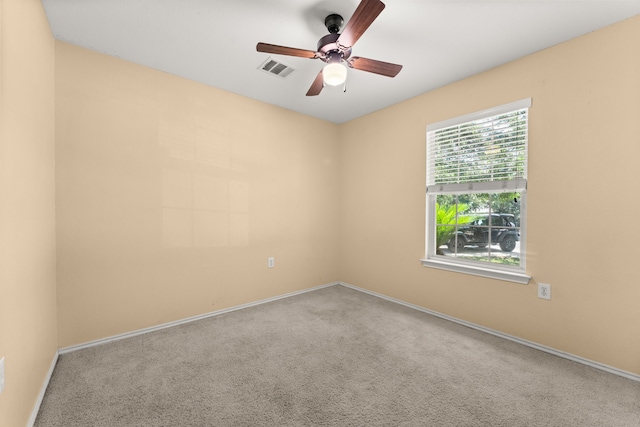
[476,193]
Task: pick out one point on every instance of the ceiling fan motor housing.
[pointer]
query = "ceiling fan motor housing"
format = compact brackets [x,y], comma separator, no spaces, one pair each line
[328,45]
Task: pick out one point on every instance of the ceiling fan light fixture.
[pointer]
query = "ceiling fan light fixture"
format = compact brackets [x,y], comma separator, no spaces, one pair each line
[334,74]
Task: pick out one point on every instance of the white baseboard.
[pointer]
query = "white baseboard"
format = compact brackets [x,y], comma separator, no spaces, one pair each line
[186,320]
[559,353]
[43,389]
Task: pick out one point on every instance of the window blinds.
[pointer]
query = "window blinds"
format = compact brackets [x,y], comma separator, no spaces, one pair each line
[485,151]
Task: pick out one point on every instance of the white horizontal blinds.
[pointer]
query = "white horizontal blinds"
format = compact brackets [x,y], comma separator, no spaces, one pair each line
[487,153]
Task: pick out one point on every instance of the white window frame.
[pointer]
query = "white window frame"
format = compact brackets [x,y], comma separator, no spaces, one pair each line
[515,274]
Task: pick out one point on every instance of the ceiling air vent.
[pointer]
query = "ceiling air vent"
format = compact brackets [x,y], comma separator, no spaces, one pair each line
[276,68]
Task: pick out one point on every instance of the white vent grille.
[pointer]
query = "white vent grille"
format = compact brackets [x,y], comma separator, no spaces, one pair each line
[276,68]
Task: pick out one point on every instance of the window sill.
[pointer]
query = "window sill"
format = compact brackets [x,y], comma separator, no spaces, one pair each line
[510,276]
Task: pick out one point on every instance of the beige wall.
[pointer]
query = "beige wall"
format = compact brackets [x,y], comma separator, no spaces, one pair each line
[28,338]
[171,195]
[583,151]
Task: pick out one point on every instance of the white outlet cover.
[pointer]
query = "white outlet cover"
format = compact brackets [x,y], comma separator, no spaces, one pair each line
[544,291]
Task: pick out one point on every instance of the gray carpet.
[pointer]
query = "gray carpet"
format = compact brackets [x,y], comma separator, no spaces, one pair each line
[331,357]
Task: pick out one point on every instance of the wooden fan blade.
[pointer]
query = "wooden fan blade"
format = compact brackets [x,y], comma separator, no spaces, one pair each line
[283,50]
[316,86]
[366,12]
[373,66]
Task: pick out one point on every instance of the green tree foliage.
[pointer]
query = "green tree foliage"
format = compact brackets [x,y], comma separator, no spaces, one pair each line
[479,203]
[447,216]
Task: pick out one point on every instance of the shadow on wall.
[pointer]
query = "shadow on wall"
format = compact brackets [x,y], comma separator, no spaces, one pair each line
[205,190]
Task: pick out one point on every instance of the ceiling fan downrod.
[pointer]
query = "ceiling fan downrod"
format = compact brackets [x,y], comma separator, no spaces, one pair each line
[333,23]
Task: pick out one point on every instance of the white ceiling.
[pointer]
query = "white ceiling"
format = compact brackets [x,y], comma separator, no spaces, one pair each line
[437,41]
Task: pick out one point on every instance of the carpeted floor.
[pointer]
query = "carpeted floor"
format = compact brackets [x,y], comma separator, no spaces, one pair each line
[331,357]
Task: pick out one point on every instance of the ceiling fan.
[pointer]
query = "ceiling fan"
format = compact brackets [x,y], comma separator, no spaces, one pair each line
[335,49]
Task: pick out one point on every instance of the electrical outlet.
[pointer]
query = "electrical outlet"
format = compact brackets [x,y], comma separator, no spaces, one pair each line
[1,374]
[544,291]
[271,262]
